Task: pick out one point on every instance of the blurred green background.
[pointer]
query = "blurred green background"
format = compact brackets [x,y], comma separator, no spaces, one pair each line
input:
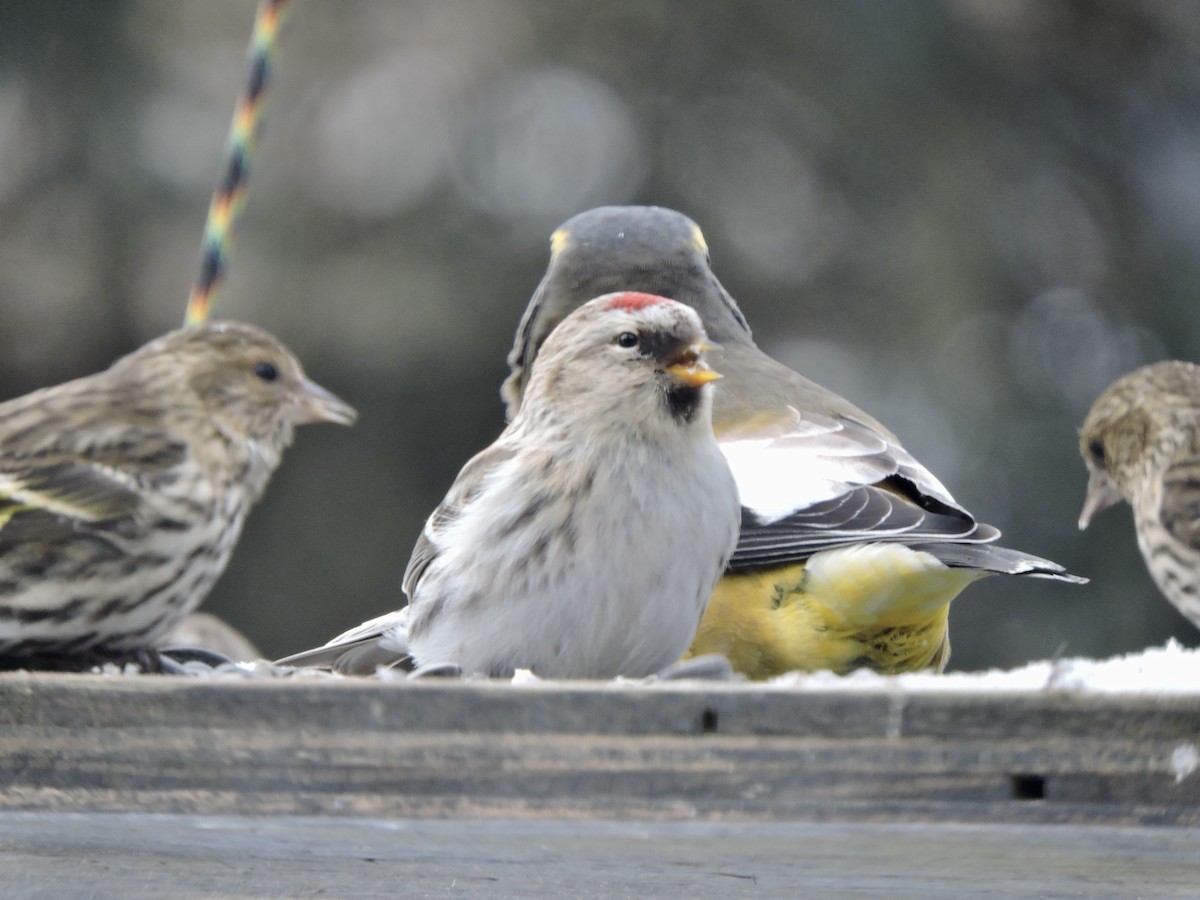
[968,216]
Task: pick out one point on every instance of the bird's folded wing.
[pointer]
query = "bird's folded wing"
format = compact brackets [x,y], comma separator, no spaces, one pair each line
[1180,510]
[383,641]
[87,474]
[379,642]
[463,491]
[72,490]
[54,485]
[812,482]
[864,514]
[788,460]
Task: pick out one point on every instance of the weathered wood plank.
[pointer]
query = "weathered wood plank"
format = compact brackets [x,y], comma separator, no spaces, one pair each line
[480,748]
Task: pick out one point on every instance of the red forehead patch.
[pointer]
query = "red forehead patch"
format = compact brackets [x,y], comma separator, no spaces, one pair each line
[632,301]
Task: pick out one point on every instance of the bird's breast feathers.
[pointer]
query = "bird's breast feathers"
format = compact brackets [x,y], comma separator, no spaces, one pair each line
[571,581]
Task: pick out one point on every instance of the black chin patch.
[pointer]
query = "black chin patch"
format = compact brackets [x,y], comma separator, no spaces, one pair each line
[682,402]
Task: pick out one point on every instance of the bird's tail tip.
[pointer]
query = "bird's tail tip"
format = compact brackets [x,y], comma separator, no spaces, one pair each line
[1058,574]
[1001,561]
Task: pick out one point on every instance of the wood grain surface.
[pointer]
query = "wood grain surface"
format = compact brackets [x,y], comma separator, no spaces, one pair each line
[723,752]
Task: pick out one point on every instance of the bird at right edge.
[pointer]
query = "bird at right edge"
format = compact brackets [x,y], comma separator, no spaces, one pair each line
[850,550]
[1141,443]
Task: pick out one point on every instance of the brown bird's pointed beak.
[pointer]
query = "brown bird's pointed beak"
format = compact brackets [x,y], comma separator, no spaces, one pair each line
[690,369]
[1100,496]
[315,404]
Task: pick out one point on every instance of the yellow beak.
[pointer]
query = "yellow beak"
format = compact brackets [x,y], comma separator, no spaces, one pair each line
[690,369]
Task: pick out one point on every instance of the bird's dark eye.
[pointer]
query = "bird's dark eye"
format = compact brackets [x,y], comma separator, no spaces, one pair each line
[1096,451]
[627,339]
[266,371]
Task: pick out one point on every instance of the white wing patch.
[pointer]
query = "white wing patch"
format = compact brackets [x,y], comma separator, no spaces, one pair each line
[809,459]
[774,482]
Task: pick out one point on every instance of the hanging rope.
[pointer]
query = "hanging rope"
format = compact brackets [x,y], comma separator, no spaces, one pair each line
[243,138]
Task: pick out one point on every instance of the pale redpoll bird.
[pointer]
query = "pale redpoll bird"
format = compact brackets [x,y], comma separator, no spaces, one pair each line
[583,543]
[1141,443]
[851,551]
[122,494]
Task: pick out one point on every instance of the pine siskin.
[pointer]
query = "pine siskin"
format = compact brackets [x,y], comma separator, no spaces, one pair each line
[122,494]
[850,550]
[1141,443]
[585,542]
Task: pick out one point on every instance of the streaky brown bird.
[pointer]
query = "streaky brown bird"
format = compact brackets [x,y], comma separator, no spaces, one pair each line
[122,494]
[1141,443]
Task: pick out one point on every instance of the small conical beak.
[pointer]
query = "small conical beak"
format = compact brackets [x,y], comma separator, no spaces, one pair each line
[1100,496]
[315,404]
[690,369]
